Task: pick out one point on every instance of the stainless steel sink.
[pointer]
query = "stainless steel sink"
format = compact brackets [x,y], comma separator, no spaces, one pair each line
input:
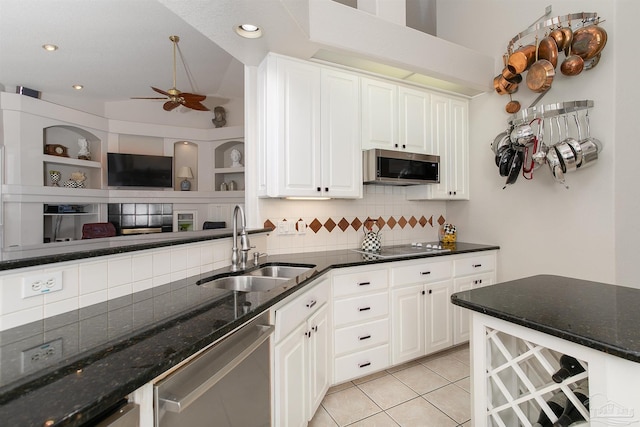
[262,279]
[286,271]
[246,283]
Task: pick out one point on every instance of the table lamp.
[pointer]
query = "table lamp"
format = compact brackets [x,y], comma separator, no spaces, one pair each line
[185,172]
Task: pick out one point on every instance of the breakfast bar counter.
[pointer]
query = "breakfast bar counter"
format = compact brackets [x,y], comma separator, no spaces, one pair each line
[521,329]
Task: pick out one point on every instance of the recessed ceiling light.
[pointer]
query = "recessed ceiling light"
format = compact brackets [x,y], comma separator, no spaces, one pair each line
[249,31]
[77,87]
[49,47]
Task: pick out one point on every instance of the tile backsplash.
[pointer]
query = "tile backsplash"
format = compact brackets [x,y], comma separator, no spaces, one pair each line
[338,224]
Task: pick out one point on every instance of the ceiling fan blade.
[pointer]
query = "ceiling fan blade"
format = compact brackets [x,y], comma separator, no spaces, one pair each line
[137,97]
[195,105]
[170,105]
[192,96]
[161,91]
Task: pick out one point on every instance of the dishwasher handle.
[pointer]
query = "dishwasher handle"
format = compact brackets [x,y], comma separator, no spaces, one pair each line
[178,405]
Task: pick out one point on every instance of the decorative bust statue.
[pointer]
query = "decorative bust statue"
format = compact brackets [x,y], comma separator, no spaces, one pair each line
[220,118]
[235,158]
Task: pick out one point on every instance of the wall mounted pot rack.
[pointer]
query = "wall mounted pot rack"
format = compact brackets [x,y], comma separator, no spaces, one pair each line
[548,111]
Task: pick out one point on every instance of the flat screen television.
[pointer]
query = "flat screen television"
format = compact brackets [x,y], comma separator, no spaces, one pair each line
[137,170]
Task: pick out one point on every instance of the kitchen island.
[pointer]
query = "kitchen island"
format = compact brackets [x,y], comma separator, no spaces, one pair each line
[124,343]
[522,327]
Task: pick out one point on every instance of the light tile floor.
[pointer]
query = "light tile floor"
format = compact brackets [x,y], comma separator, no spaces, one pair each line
[432,391]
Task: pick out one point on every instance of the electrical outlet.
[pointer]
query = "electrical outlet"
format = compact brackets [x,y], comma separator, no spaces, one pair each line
[41,356]
[284,227]
[301,226]
[43,283]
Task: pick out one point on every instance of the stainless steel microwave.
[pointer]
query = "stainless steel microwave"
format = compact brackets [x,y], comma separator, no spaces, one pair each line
[399,168]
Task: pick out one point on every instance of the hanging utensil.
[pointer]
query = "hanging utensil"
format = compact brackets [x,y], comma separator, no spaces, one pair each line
[520,60]
[540,75]
[548,49]
[512,106]
[572,64]
[589,41]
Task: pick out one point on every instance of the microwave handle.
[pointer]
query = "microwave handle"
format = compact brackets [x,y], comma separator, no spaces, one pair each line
[178,405]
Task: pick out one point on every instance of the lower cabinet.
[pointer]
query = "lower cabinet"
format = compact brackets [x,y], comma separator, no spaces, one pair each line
[301,356]
[422,320]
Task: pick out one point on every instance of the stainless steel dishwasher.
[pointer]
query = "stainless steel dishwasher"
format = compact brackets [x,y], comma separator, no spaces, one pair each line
[229,384]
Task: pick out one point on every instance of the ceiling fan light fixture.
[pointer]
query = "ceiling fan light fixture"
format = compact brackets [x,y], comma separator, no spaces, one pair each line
[50,47]
[78,87]
[249,31]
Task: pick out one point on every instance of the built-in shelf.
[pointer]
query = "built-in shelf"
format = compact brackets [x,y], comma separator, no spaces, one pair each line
[47,158]
[69,213]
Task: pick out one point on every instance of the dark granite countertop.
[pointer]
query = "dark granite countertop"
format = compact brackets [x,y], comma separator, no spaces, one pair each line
[113,348]
[597,315]
[29,256]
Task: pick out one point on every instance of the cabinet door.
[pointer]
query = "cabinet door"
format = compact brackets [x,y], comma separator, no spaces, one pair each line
[318,356]
[415,120]
[439,316]
[461,315]
[340,135]
[299,128]
[379,115]
[458,176]
[440,125]
[408,326]
[291,379]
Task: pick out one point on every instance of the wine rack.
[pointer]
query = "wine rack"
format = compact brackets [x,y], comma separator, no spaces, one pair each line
[518,377]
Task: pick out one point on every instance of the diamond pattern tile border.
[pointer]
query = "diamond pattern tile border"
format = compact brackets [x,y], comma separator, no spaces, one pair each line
[342,224]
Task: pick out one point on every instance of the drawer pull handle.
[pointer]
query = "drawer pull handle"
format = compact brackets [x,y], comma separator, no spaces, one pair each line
[364,283]
[366,337]
[424,273]
[364,365]
[477,265]
[364,308]
[311,304]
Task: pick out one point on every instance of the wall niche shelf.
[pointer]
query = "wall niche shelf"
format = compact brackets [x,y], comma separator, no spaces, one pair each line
[223,172]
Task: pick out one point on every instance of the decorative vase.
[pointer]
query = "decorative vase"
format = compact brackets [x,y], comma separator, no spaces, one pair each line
[55,178]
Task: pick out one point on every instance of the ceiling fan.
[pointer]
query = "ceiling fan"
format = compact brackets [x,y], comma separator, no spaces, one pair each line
[174,97]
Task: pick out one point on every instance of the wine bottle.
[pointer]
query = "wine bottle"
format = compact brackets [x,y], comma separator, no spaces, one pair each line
[569,367]
[557,403]
[571,414]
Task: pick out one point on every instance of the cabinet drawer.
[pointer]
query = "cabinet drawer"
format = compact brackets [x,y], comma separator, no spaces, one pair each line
[421,273]
[362,363]
[299,309]
[473,265]
[360,308]
[358,337]
[359,281]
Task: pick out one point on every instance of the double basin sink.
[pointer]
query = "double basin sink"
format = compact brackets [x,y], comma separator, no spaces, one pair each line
[261,279]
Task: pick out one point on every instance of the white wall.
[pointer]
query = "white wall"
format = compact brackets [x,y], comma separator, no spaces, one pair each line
[540,226]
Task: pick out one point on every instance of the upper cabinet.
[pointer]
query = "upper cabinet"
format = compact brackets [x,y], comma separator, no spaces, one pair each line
[309,131]
[395,117]
[449,118]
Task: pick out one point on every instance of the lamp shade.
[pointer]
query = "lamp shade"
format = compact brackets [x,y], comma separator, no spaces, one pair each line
[185,172]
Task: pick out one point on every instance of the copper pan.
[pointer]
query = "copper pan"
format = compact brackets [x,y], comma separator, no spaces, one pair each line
[504,86]
[540,76]
[558,37]
[548,49]
[520,60]
[513,78]
[568,38]
[588,41]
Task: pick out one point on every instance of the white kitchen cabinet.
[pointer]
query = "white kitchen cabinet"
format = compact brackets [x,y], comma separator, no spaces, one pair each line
[310,131]
[449,118]
[471,271]
[341,156]
[361,322]
[302,370]
[395,117]
[422,320]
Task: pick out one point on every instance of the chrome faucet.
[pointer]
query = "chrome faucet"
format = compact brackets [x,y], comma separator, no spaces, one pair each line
[239,255]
